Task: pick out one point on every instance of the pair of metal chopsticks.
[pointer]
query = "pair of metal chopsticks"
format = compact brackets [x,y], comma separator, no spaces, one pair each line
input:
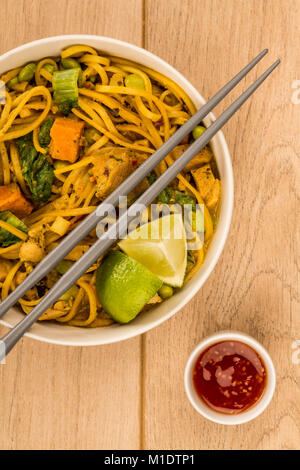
[107,239]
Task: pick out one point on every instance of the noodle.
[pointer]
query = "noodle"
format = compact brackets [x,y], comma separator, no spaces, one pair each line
[137,120]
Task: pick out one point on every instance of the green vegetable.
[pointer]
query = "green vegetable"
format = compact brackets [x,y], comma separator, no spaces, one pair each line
[166,196]
[183,199]
[134,81]
[12,82]
[165,291]
[27,73]
[70,63]
[7,238]
[49,68]
[65,89]
[63,266]
[59,164]
[37,171]
[198,131]
[171,196]
[72,292]
[152,177]
[90,135]
[44,134]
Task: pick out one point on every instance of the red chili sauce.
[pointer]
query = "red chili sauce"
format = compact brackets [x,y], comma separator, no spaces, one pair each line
[229,377]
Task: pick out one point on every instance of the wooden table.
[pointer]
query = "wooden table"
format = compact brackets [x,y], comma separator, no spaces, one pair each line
[131,395]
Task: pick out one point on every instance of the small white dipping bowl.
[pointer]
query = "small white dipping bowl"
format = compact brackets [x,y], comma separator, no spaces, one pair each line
[72,336]
[223,418]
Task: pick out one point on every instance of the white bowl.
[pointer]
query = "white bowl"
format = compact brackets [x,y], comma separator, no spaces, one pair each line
[66,335]
[222,418]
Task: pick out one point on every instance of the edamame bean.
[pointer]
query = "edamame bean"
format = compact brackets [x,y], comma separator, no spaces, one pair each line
[198,131]
[72,292]
[49,68]
[59,164]
[165,291]
[27,73]
[70,63]
[134,81]
[12,82]
[63,266]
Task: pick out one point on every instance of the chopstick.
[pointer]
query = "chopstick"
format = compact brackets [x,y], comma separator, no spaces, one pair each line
[90,222]
[107,239]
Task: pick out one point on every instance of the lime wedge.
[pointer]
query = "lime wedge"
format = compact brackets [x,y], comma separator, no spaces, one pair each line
[124,286]
[160,245]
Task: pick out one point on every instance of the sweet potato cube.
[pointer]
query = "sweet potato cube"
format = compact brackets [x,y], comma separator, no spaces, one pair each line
[65,139]
[11,199]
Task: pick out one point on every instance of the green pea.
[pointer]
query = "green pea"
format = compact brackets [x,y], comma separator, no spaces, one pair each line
[72,292]
[27,73]
[165,291]
[59,164]
[63,266]
[134,81]
[70,63]
[12,82]
[49,68]
[198,131]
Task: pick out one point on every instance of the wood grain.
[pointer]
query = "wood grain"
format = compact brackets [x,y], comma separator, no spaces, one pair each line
[131,395]
[58,397]
[254,286]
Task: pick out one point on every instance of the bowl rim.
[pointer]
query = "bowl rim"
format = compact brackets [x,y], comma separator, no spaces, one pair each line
[227,197]
[222,418]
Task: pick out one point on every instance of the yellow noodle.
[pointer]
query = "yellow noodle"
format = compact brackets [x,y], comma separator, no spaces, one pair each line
[93,305]
[39,67]
[6,109]
[84,162]
[14,155]
[36,143]
[10,228]
[98,144]
[74,308]
[9,75]
[7,249]
[5,163]
[111,136]
[74,50]
[8,280]
[95,59]
[4,135]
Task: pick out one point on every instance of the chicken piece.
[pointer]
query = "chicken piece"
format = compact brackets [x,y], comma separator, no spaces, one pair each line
[31,251]
[5,267]
[204,156]
[112,166]
[13,200]
[66,139]
[208,186]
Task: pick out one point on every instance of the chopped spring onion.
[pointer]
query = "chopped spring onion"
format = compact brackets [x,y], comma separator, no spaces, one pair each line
[65,86]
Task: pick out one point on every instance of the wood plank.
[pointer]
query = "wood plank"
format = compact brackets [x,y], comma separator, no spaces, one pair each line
[254,286]
[63,397]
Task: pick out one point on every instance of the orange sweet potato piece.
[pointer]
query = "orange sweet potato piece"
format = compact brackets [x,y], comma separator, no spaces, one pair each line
[65,139]
[12,199]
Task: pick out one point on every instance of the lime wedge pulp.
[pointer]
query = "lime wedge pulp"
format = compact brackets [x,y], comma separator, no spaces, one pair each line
[124,286]
[160,245]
